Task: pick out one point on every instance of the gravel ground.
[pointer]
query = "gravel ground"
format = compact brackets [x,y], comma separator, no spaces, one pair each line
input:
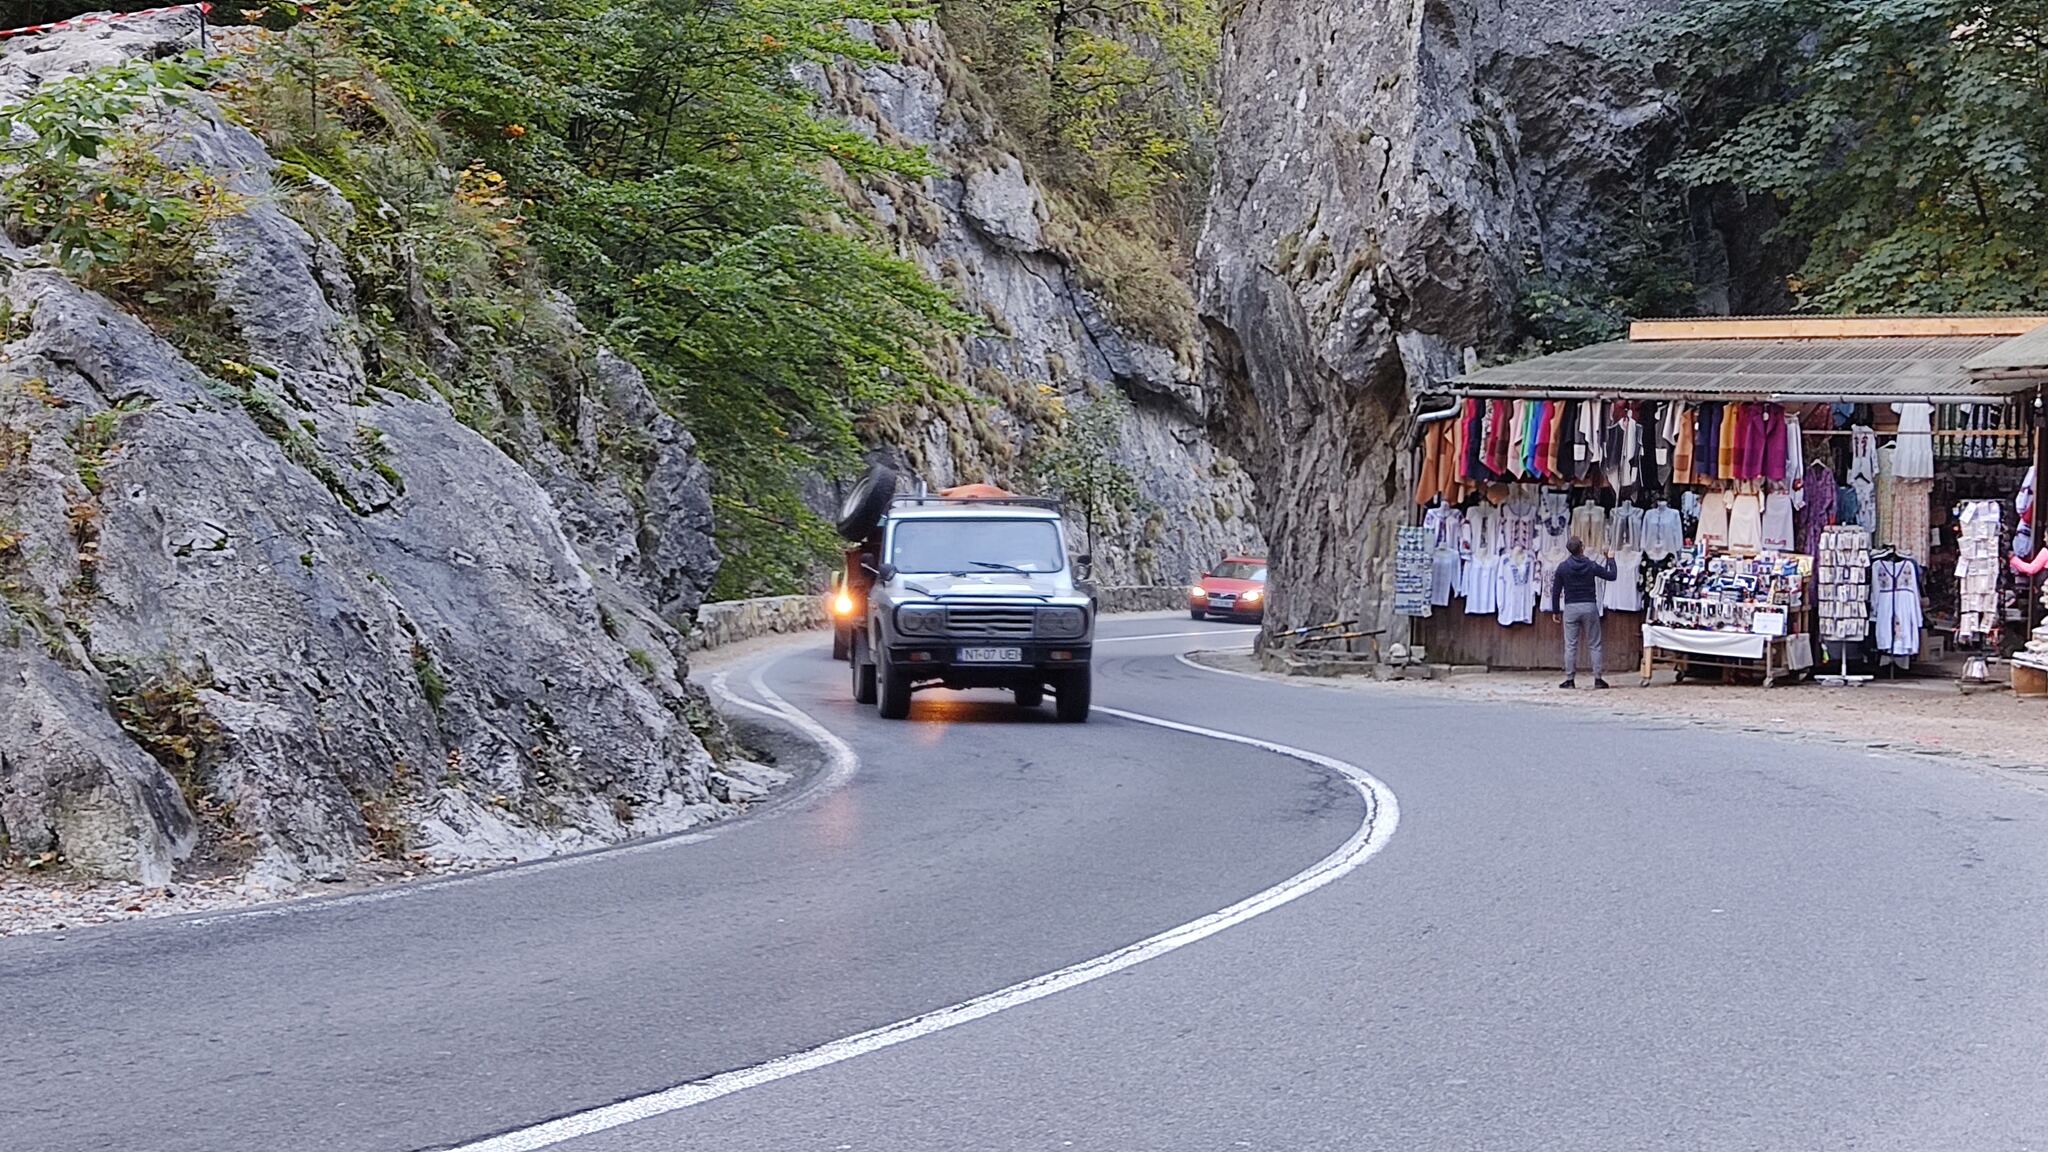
[1988,729]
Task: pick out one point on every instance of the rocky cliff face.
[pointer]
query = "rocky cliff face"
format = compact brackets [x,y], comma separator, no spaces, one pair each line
[1388,174]
[295,615]
[986,230]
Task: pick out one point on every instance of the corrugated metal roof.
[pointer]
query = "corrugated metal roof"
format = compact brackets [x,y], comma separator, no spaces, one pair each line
[1864,369]
[2027,354]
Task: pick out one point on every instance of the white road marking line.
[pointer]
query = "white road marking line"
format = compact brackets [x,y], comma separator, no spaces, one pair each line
[1382,815]
[1174,635]
[840,765]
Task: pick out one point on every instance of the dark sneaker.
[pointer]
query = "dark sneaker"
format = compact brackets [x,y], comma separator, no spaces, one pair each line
[1601,684]
[1569,683]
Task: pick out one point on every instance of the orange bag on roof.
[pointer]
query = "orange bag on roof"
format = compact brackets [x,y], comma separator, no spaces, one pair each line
[974,492]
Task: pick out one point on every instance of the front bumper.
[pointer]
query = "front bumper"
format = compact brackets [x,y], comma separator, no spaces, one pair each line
[1234,610]
[940,660]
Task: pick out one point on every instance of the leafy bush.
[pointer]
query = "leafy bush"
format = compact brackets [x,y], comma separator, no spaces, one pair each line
[81,174]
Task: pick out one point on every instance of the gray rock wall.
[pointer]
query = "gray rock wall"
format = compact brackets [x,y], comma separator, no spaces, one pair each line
[986,230]
[340,621]
[1387,173]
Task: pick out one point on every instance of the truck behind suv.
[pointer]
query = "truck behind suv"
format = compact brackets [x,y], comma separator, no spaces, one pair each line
[969,588]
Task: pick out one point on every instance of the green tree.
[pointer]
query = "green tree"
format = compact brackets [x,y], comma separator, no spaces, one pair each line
[669,158]
[1078,462]
[1906,139]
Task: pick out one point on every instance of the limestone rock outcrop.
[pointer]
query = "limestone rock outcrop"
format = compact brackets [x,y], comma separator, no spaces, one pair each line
[987,230]
[301,617]
[1388,175]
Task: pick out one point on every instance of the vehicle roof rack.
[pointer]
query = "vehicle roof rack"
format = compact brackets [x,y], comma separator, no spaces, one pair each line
[919,500]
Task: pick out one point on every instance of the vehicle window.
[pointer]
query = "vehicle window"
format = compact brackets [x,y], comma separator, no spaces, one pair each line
[976,546]
[1240,570]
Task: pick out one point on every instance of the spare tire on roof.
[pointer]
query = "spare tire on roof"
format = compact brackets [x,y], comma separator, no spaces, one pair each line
[865,506]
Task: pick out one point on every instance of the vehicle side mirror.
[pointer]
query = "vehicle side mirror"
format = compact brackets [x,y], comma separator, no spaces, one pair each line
[886,573]
[1084,564]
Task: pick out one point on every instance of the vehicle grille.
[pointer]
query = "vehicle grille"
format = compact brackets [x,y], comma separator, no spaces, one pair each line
[1005,623]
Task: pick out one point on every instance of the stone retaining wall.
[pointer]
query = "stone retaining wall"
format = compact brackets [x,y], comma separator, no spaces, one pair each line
[722,622]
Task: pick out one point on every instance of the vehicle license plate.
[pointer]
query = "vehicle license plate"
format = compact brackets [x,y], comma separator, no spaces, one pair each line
[991,655]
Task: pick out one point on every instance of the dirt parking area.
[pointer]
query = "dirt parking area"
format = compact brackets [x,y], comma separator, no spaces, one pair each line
[1931,717]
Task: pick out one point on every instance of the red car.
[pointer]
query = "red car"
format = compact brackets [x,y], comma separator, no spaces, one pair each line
[1236,590]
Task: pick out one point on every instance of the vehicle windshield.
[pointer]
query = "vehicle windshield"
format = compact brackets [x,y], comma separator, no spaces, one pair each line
[1240,570]
[976,546]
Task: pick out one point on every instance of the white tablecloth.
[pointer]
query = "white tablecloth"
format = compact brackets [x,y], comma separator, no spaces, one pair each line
[1734,645]
[1729,645]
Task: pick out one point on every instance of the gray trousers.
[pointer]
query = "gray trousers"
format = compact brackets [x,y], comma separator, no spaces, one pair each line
[1582,626]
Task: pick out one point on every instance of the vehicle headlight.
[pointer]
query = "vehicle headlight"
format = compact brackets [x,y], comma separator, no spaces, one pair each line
[1196,590]
[1062,623]
[1252,597]
[921,620]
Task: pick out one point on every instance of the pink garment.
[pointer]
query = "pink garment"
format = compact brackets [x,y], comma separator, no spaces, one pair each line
[1772,421]
[1749,443]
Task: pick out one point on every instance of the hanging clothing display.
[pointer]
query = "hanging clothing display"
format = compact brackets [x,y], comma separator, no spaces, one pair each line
[1895,608]
[1862,477]
[1978,568]
[1518,517]
[1819,512]
[1731,441]
[1915,459]
[1777,531]
[1713,532]
[1663,531]
[1445,528]
[1795,463]
[1515,588]
[1589,524]
[1624,593]
[1886,532]
[1687,420]
[1745,522]
[1774,440]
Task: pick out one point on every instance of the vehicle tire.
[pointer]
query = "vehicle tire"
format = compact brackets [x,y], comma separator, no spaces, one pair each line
[865,506]
[1071,705]
[1030,695]
[1197,614]
[863,674]
[892,688]
[842,643]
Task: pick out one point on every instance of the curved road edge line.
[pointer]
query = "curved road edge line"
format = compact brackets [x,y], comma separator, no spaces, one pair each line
[1382,816]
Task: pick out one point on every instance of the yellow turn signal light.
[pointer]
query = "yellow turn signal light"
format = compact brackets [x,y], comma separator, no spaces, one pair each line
[842,605]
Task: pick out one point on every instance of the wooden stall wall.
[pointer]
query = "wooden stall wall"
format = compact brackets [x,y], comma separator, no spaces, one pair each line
[1453,637]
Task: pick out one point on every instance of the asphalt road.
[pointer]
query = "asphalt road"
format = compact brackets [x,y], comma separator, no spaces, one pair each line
[1583,935]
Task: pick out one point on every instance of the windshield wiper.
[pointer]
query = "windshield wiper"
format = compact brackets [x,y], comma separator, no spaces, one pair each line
[1000,567]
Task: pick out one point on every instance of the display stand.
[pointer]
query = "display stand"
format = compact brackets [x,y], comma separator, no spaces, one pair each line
[1734,613]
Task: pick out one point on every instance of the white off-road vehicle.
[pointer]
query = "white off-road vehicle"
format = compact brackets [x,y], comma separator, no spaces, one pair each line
[964,591]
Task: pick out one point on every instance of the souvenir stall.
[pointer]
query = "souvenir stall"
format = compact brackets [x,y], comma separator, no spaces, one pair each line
[1718,462]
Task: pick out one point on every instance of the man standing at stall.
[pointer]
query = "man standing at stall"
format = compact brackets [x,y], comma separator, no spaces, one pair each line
[1575,589]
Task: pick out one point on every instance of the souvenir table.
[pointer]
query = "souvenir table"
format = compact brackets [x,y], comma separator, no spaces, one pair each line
[1733,614]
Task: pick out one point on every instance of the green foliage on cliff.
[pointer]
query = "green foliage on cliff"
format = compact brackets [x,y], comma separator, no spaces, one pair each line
[1078,461]
[1907,140]
[662,162]
[664,157]
[1113,105]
